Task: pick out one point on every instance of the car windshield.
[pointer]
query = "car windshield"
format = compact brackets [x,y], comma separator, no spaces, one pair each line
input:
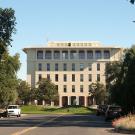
[12,107]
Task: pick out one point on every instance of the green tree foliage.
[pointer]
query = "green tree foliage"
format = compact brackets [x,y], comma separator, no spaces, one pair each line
[132,1]
[7,28]
[122,90]
[98,92]
[24,92]
[8,80]
[47,90]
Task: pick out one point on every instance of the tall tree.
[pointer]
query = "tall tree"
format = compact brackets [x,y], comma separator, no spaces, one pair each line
[7,28]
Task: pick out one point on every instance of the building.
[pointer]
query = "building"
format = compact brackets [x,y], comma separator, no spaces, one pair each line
[72,66]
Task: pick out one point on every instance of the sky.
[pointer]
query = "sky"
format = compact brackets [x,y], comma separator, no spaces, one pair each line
[39,21]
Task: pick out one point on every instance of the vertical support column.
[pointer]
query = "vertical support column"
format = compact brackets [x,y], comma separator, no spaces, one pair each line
[85,101]
[77,100]
[69,100]
[60,101]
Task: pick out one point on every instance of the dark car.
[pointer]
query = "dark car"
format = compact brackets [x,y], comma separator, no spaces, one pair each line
[113,112]
[3,113]
[101,110]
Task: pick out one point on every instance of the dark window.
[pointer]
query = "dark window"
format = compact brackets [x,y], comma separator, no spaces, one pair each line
[98,77]
[81,55]
[81,88]
[81,67]
[65,67]
[90,77]
[48,66]
[56,55]
[64,55]
[48,76]
[56,78]
[73,88]
[65,88]
[90,66]
[73,77]
[65,77]
[48,55]
[81,77]
[56,67]
[106,54]
[98,55]
[39,54]
[39,67]
[39,77]
[73,66]
[73,55]
[98,66]
[89,54]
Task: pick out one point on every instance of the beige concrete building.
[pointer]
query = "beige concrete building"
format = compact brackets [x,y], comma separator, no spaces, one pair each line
[72,66]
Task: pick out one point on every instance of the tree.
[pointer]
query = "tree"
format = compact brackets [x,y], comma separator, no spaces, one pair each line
[98,92]
[7,28]
[132,1]
[8,78]
[24,91]
[47,90]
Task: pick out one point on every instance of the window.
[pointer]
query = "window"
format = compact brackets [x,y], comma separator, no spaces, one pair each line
[98,66]
[39,67]
[56,55]
[106,54]
[48,76]
[56,78]
[90,66]
[48,66]
[65,67]
[39,54]
[89,54]
[73,55]
[81,67]
[81,55]
[98,55]
[65,88]
[64,77]
[56,67]
[81,77]
[98,77]
[81,88]
[73,66]
[48,55]
[90,77]
[73,88]
[64,55]
[39,77]
[73,77]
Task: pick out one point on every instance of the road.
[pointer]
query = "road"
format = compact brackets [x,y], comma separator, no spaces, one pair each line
[56,125]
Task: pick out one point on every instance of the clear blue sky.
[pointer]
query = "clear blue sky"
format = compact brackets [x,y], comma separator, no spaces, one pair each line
[107,21]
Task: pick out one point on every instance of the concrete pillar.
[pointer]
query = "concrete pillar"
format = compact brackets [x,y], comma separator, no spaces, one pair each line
[60,101]
[69,100]
[52,103]
[85,101]
[43,102]
[77,100]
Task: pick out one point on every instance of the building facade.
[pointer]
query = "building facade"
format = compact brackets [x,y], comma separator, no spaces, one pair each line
[72,66]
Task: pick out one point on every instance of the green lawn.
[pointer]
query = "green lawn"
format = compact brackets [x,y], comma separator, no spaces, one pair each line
[31,109]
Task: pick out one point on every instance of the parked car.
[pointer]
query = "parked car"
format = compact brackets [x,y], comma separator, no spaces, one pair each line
[14,110]
[101,110]
[3,113]
[113,112]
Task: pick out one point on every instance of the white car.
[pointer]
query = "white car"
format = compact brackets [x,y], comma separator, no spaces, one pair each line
[13,110]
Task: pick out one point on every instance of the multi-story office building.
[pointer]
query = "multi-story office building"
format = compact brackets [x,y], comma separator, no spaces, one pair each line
[72,66]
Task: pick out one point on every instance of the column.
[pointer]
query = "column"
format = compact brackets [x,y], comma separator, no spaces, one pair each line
[43,102]
[77,100]
[60,101]
[69,100]
[85,101]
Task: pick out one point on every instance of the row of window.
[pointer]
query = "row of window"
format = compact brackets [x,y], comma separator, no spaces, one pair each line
[74,89]
[48,67]
[73,54]
[65,79]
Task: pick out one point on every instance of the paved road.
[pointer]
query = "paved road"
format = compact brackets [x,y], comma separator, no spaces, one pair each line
[56,125]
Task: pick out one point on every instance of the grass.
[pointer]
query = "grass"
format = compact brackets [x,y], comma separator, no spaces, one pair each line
[125,123]
[31,109]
